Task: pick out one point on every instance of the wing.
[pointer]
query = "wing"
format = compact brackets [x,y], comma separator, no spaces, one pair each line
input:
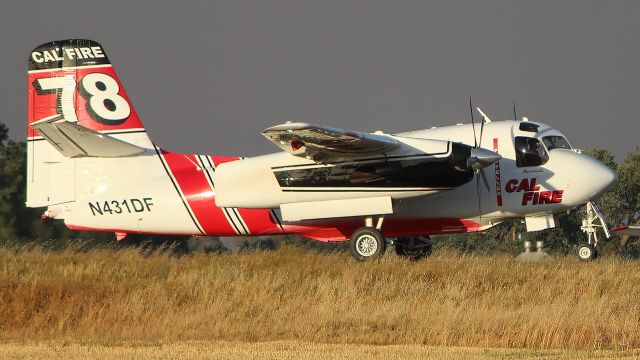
[73,140]
[326,144]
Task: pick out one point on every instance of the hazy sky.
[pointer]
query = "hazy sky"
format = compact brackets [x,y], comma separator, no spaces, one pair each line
[207,77]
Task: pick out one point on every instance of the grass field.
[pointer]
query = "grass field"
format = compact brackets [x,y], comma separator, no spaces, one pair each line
[293,303]
[284,350]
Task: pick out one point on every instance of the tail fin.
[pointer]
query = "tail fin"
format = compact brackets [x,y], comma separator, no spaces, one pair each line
[74,81]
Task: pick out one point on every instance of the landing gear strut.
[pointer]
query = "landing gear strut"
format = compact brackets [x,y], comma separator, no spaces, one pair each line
[414,248]
[594,220]
[367,242]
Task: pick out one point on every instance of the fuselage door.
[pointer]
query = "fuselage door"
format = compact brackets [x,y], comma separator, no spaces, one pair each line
[62,182]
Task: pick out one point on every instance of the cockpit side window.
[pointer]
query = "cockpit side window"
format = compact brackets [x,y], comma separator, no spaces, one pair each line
[530,152]
[556,142]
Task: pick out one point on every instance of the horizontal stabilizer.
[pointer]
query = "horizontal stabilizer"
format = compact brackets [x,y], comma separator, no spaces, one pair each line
[73,140]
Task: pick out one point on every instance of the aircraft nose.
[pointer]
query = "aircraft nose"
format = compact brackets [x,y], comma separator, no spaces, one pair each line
[601,178]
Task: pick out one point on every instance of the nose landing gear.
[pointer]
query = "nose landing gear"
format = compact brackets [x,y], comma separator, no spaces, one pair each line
[588,251]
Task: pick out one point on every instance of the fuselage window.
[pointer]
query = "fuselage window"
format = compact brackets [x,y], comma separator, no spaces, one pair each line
[556,142]
[530,152]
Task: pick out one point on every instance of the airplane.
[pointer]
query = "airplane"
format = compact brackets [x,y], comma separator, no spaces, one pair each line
[92,165]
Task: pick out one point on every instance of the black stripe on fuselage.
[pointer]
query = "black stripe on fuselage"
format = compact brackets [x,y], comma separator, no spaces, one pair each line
[240,221]
[206,169]
[231,220]
[276,218]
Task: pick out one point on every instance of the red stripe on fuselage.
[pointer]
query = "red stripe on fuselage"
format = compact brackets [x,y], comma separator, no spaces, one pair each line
[259,221]
[199,195]
[217,160]
[497,170]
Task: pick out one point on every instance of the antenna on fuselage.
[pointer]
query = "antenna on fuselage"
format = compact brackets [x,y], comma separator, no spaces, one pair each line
[515,114]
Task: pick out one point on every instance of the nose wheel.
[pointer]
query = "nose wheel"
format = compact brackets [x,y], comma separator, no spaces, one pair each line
[587,252]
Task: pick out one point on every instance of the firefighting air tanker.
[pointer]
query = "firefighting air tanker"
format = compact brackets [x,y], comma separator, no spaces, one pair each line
[91,164]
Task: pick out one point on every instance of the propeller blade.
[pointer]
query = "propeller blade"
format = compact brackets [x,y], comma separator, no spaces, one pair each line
[485,119]
[481,131]
[484,179]
[484,116]
[473,125]
[479,196]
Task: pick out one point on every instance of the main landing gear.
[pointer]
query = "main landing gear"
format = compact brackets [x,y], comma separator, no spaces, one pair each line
[368,243]
[414,248]
[588,251]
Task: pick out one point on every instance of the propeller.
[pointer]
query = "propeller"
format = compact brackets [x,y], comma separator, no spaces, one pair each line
[480,158]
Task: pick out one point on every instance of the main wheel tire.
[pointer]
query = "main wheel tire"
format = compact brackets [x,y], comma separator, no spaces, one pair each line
[367,243]
[414,248]
[587,252]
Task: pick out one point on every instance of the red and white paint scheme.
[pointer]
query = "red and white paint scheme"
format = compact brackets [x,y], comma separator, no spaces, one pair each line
[91,163]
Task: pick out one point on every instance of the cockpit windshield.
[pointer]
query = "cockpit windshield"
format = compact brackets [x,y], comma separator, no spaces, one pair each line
[530,152]
[556,142]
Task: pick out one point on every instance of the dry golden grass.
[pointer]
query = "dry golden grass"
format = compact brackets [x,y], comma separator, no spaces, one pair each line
[109,297]
[297,350]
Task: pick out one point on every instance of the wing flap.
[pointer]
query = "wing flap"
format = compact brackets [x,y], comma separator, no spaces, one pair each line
[326,144]
[73,140]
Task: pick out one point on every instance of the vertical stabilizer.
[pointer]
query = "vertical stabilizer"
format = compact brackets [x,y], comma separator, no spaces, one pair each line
[72,79]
